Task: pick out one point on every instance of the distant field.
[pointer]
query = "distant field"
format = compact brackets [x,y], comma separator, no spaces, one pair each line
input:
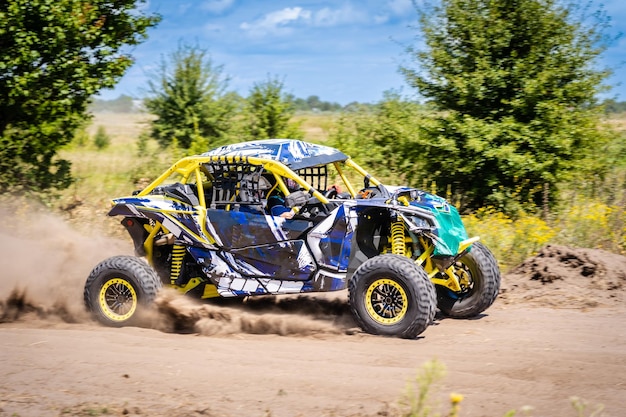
[618,121]
[316,126]
[121,125]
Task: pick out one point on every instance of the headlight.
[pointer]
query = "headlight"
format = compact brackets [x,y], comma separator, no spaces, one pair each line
[417,223]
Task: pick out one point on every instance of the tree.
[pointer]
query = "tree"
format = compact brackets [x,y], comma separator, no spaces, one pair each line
[56,54]
[188,96]
[101,139]
[515,83]
[269,111]
[378,136]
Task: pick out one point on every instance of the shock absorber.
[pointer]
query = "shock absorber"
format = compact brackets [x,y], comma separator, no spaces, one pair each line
[178,253]
[398,246]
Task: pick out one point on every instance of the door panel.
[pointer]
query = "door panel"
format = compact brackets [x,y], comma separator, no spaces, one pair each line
[263,245]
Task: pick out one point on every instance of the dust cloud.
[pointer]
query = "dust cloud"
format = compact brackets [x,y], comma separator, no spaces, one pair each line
[284,316]
[44,263]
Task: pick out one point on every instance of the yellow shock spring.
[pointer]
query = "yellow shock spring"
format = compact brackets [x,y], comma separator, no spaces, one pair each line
[178,253]
[398,246]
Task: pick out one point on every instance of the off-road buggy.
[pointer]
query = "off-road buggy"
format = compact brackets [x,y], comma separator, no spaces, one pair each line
[204,227]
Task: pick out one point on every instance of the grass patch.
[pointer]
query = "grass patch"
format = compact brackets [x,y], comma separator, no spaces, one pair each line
[417,400]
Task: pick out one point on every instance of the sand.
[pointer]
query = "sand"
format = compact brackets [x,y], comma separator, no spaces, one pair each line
[555,332]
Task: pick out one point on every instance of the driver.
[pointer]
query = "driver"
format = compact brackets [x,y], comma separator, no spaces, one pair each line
[276,201]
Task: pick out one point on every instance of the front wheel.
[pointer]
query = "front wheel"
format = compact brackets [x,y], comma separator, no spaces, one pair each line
[118,287]
[479,275]
[392,296]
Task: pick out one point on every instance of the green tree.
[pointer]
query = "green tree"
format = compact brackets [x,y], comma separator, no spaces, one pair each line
[270,110]
[101,139]
[188,96]
[314,103]
[55,55]
[378,136]
[515,83]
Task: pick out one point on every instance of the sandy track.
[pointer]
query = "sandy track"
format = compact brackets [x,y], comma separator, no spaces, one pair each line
[509,358]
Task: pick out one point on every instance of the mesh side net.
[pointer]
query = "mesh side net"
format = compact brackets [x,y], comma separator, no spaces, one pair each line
[233,183]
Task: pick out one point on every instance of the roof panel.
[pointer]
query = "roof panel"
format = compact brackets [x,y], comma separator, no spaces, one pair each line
[296,154]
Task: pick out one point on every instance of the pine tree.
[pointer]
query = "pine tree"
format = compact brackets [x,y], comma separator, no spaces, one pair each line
[269,111]
[515,84]
[188,96]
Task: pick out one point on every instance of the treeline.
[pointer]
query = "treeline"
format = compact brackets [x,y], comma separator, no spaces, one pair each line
[122,104]
[128,104]
[612,107]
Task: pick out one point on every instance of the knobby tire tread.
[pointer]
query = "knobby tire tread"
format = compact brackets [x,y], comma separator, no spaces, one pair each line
[145,277]
[425,293]
[488,266]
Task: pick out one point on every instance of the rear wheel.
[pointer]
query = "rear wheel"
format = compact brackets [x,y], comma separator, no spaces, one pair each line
[118,287]
[390,295]
[479,276]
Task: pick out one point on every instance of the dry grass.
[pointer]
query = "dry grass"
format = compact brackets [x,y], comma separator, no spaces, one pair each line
[316,126]
[617,121]
[102,174]
[123,126]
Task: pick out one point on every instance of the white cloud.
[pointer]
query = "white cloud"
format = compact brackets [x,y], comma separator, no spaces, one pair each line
[335,17]
[380,19]
[394,9]
[278,22]
[282,22]
[400,7]
[217,6]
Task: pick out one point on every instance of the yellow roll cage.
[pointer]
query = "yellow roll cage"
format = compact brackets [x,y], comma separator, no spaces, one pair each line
[192,167]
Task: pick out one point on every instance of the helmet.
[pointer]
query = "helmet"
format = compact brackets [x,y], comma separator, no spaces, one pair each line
[291,185]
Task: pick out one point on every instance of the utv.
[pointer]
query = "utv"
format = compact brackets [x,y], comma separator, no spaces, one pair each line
[207,227]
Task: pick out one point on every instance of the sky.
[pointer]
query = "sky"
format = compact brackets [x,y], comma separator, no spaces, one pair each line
[341,51]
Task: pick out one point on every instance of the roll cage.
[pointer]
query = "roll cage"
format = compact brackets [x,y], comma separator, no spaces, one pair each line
[231,181]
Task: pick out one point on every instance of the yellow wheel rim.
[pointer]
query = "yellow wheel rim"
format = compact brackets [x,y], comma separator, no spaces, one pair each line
[118,299]
[386,301]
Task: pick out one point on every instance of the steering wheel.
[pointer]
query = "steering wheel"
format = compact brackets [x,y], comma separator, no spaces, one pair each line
[313,208]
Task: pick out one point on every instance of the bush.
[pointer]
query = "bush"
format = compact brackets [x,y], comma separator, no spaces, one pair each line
[583,223]
[593,224]
[101,138]
[511,240]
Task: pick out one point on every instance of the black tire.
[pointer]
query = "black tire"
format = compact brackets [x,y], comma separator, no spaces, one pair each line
[479,270]
[392,296]
[118,288]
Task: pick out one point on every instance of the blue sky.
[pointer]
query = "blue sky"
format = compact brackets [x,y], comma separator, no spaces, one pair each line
[341,51]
